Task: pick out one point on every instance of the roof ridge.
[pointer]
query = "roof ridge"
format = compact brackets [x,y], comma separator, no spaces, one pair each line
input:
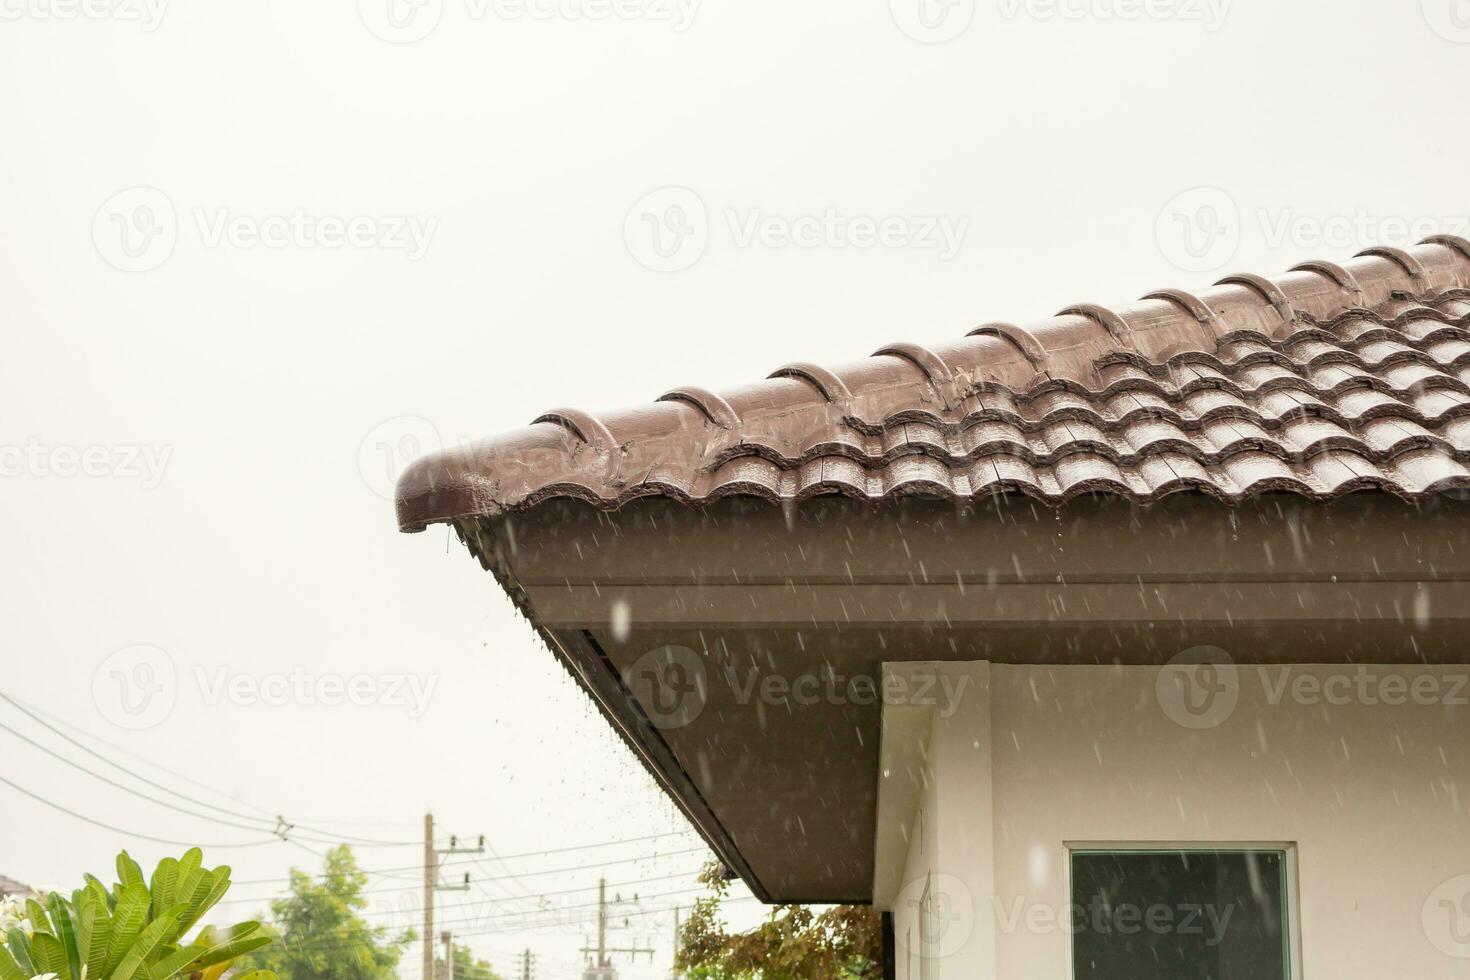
[1208,315]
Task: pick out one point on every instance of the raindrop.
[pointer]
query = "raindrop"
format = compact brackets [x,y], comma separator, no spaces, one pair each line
[622,620]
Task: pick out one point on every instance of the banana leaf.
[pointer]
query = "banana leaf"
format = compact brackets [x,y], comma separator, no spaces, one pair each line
[128,871]
[127,922]
[9,968]
[209,889]
[49,956]
[94,929]
[37,916]
[65,932]
[189,872]
[20,948]
[165,882]
[135,963]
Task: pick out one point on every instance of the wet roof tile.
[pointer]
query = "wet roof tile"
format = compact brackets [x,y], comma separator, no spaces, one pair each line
[1327,380]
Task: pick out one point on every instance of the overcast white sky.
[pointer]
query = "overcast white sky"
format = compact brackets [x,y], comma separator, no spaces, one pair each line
[247,246]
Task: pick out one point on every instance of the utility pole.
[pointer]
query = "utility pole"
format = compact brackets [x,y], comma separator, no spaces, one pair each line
[602,947]
[447,938]
[431,875]
[674,972]
[602,922]
[527,960]
[431,885]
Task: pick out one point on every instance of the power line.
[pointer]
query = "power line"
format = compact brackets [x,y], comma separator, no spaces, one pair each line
[524,874]
[129,833]
[513,915]
[279,827]
[520,894]
[475,918]
[499,931]
[308,850]
[122,786]
[327,836]
[494,954]
[594,867]
[603,949]
[280,822]
[508,857]
[98,755]
[497,956]
[34,711]
[493,900]
[589,847]
[495,878]
[525,893]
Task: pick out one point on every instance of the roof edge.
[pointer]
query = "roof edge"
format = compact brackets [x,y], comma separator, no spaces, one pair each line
[526,466]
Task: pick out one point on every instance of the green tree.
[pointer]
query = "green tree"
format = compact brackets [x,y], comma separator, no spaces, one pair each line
[841,943]
[466,966]
[319,933]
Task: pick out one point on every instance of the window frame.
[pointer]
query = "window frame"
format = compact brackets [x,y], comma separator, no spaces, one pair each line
[1291,901]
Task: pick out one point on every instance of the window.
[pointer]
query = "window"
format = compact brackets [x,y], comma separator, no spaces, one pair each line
[1187,914]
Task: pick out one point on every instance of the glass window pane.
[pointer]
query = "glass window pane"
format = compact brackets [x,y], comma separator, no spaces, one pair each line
[1180,915]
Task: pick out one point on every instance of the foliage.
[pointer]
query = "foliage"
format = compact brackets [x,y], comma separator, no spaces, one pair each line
[318,933]
[133,931]
[467,967]
[795,943]
[12,913]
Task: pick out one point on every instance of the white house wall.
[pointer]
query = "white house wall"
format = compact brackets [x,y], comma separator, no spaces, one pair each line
[1375,798]
[953,736]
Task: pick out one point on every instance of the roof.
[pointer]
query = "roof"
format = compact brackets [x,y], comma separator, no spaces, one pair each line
[1319,382]
[9,886]
[1323,381]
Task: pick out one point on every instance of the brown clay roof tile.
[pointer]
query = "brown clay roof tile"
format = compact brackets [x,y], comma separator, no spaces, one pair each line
[1324,381]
